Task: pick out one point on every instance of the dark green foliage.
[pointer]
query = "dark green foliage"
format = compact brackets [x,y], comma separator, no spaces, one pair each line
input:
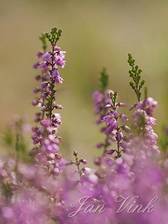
[14,139]
[7,137]
[44,41]
[20,145]
[135,73]
[163,141]
[145,92]
[114,98]
[53,36]
[104,79]
[6,190]
[139,128]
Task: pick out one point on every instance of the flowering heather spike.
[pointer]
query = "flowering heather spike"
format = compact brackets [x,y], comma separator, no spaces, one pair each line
[144,122]
[78,163]
[113,122]
[135,73]
[45,134]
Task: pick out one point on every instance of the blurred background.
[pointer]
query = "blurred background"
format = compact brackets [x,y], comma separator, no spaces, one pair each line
[96,34]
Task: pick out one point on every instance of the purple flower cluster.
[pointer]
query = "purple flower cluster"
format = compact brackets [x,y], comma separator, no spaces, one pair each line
[45,134]
[129,181]
[50,61]
[144,121]
[113,122]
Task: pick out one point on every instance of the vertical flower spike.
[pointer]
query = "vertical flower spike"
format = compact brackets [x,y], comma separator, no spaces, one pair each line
[143,120]
[45,134]
[113,122]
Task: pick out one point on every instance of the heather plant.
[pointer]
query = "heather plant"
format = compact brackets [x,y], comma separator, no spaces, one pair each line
[128,183]
[45,134]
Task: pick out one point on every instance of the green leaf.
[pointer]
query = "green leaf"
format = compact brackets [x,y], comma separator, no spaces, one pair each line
[137,83]
[44,41]
[104,79]
[163,141]
[54,35]
[8,138]
[7,190]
